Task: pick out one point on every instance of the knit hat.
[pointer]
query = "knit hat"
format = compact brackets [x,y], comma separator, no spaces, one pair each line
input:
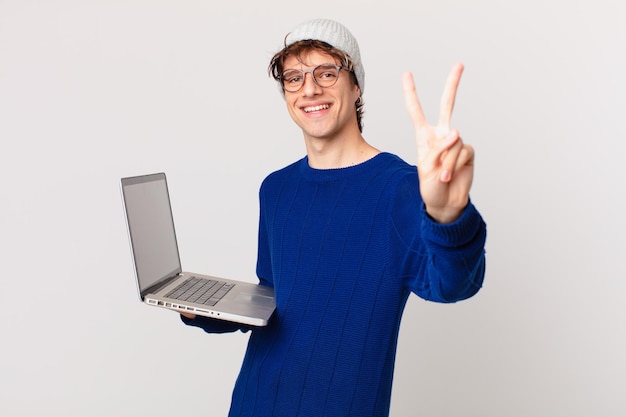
[334,34]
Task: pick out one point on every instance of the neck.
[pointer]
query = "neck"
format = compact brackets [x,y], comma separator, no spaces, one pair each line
[338,153]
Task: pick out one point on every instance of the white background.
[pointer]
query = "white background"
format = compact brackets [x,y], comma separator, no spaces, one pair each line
[94,91]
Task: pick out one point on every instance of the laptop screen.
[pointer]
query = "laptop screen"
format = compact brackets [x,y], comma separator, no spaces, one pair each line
[151,229]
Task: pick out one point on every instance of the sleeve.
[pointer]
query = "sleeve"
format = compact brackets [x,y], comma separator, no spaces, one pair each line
[264,261]
[439,262]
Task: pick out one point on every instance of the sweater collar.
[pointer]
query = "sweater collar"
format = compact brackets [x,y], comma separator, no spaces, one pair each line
[334,174]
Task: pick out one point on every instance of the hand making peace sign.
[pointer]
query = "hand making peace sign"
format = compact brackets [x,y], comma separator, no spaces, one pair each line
[445,165]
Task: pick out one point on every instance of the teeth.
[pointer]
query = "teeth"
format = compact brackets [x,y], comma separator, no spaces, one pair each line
[316,108]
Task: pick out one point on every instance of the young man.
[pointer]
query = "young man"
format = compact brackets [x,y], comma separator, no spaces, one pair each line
[346,234]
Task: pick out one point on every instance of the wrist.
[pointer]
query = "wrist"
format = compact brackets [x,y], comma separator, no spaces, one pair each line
[445,215]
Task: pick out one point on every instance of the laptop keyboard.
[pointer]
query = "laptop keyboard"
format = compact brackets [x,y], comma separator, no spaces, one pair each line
[200,291]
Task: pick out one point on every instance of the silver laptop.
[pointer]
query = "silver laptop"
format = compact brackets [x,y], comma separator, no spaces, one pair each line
[160,279]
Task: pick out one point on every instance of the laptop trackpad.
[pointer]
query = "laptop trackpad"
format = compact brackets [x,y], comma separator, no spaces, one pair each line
[255,298]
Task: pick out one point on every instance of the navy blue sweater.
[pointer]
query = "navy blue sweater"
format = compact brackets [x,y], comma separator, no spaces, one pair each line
[343,249]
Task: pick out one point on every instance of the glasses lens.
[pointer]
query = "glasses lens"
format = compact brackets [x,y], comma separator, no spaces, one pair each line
[292,80]
[326,75]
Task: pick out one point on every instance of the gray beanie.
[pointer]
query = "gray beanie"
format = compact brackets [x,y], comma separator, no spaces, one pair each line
[334,34]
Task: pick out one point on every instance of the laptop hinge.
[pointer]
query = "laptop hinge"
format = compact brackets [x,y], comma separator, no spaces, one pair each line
[159,285]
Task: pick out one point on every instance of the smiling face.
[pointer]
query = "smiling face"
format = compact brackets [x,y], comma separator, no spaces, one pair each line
[322,113]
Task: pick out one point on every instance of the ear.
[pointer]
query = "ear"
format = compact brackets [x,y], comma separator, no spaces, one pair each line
[357,92]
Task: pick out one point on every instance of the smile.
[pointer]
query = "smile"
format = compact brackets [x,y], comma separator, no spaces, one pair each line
[316,108]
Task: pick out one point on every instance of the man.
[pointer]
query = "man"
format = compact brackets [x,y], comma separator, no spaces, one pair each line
[346,234]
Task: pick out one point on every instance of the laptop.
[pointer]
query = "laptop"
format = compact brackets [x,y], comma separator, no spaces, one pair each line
[161,282]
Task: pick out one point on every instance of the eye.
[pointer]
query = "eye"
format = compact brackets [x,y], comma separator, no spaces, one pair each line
[326,72]
[292,77]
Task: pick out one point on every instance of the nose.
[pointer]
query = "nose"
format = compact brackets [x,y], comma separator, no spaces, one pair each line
[309,86]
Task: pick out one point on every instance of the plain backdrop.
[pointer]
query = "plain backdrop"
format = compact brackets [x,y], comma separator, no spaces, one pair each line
[92,91]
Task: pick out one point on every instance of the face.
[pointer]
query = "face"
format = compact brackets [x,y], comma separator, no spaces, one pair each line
[322,113]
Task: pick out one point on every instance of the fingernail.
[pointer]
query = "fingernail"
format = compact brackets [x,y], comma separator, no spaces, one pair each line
[445,175]
[451,136]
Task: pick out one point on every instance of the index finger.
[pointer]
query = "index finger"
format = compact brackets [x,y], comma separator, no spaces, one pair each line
[411,101]
[449,96]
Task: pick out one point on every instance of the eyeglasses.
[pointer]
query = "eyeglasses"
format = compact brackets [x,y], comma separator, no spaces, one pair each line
[324,75]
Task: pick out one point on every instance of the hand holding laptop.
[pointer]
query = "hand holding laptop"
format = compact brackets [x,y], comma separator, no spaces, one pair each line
[190,316]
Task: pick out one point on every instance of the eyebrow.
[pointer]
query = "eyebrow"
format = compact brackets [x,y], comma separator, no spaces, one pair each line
[310,66]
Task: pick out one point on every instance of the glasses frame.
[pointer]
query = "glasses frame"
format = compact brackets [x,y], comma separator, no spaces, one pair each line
[312,72]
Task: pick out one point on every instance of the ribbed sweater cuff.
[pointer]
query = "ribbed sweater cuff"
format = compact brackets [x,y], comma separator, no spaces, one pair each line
[459,233]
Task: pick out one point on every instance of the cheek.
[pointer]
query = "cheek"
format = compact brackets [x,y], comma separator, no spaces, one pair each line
[289,105]
[294,114]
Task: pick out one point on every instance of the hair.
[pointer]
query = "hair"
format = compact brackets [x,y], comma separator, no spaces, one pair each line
[276,68]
